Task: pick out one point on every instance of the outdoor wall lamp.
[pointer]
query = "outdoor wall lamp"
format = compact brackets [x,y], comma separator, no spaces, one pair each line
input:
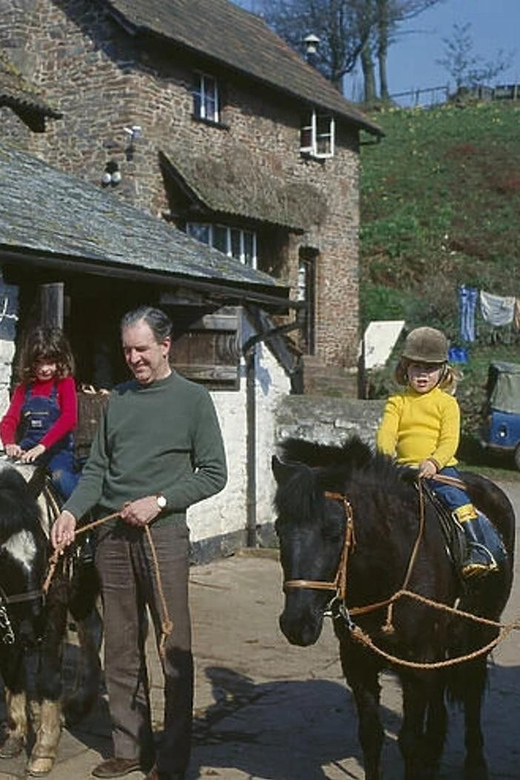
[111,174]
[135,133]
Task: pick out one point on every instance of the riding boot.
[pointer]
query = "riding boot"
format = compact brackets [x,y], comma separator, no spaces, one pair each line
[479,561]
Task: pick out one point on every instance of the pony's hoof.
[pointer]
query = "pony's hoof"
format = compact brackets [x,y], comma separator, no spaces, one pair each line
[38,767]
[12,747]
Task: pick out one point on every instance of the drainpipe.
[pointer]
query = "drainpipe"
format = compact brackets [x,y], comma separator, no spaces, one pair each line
[250,356]
[250,351]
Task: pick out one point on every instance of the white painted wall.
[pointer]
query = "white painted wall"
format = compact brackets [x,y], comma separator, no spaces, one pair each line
[8,320]
[226,513]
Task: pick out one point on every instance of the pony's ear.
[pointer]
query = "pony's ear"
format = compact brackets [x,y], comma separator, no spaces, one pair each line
[282,471]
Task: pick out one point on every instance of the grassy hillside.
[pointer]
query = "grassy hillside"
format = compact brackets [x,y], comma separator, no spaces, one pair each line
[440,206]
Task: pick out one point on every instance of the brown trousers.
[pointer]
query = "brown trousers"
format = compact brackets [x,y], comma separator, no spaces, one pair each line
[125,564]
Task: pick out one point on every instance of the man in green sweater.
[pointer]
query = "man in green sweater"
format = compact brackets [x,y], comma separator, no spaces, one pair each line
[157,451]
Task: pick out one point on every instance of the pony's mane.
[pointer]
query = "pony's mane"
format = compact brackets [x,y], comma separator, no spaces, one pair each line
[18,508]
[326,467]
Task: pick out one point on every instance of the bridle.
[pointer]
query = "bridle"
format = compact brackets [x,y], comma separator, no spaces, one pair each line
[7,635]
[337,605]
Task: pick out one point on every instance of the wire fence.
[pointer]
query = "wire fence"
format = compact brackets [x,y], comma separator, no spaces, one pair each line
[426,97]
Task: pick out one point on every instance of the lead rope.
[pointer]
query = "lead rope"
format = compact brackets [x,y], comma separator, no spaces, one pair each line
[166,621]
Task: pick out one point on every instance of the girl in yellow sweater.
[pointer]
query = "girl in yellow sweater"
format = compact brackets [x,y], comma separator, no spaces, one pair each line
[420,428]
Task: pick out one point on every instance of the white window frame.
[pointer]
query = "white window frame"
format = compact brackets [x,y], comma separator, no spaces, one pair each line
[315,137]
[228,228]
[206,85]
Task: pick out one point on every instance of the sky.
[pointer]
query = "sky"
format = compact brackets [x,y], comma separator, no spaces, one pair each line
[412,58]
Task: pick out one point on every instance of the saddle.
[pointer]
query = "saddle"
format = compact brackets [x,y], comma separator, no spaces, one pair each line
[453,534]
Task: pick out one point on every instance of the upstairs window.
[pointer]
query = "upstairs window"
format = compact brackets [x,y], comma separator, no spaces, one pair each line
[317,135]
[233,242]
[206,104]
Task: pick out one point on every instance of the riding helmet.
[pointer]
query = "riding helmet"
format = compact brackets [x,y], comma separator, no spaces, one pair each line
[426,345]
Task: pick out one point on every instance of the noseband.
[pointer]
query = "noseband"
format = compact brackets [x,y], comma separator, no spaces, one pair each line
[339,584]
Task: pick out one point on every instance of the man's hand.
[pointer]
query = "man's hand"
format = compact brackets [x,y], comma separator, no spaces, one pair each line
[13,450]
[31,455]
[63,530]
[140,512]
[427,469]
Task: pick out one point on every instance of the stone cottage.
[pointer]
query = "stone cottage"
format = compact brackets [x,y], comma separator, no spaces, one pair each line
[198,113]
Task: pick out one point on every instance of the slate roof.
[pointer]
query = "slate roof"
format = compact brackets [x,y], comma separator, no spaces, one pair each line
[237,186]
[18,93]
[57,215]
[242,41]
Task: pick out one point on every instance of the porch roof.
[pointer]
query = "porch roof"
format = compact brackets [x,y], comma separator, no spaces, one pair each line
[239,187]
[48,215]
[20,94]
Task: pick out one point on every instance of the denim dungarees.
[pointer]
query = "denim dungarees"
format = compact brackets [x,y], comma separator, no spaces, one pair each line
[39,413]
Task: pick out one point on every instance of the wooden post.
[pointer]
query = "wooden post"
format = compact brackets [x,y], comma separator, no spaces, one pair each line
[51,305]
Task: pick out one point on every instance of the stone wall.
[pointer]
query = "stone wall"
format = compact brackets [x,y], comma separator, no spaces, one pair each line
[327,420]
[90,69]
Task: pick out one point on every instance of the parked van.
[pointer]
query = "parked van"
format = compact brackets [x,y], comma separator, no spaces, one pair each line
[501,429]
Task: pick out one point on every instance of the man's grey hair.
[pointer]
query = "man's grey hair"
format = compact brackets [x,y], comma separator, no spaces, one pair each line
[158,322]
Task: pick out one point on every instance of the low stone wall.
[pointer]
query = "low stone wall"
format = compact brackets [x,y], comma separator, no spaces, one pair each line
[327,420]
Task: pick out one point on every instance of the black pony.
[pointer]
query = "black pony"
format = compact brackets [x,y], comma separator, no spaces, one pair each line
[318,488]
[33,622]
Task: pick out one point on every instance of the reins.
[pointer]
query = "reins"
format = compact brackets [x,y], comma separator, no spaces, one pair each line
[166,621]
[337,607]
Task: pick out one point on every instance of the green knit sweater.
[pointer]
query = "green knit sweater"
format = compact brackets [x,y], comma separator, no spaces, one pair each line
[158,438]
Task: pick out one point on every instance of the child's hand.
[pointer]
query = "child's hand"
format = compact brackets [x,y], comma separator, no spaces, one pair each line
[13,450]
[427,469]
[33,453]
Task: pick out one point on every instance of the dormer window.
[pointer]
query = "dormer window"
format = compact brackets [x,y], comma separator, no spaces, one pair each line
[206,104]
[317,135]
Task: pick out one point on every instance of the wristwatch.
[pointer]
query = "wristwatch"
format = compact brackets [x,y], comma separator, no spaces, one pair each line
[161,501]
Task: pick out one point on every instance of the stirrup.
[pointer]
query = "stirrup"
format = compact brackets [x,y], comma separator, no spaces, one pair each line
[472,568]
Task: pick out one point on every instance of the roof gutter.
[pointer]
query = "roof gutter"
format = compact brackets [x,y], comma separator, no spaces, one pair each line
[279,302]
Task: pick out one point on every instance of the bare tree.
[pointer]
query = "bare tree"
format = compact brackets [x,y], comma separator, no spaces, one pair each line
[343,27]
[390,14]
[349,31]
[466,68]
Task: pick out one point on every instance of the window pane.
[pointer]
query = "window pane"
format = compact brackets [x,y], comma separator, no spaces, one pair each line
[306,137]
[210,99]
[323,135]
[197,104]
[199,231]
[249,248]
[323,145]
[220,238]
[302,280]
[236,250]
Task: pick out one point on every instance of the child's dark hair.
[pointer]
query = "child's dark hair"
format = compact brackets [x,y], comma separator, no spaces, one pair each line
[45,344]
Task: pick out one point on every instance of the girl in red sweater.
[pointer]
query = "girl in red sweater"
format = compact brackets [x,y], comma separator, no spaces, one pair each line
[43,411]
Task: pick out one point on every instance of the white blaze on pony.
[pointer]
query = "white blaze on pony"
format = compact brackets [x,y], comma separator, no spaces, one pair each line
[22,548]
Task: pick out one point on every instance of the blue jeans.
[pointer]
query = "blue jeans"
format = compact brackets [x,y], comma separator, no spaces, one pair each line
[62,467]
[453,497]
